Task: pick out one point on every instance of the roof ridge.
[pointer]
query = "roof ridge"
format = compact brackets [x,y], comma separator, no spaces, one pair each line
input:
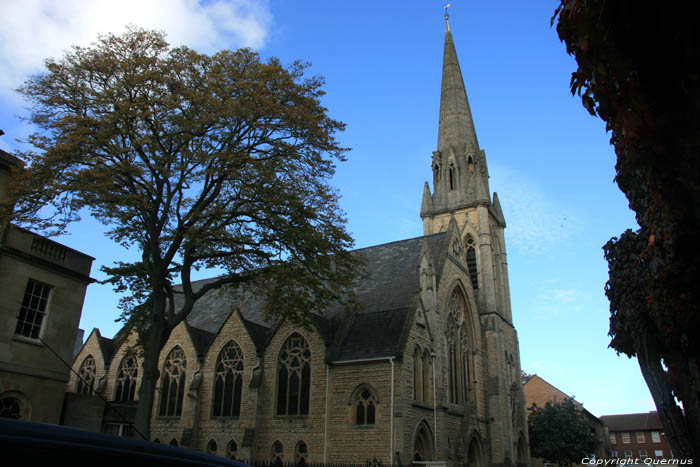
[399,241]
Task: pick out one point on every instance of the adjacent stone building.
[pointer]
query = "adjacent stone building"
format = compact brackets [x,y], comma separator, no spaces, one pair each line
[427,370]
[43,285]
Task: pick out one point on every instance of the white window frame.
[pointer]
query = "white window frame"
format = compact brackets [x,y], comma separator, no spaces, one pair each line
[625,437]
[655,437]
[43,312]
[659,453]
[640,437]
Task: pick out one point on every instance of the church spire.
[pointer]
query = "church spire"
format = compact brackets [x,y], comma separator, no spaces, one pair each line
[460,174]
[456,127]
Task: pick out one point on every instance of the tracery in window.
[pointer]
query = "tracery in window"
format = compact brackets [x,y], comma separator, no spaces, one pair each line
[172,383]
[10,407]
[126,379]
[458,348]
[301,454]
[365,407]
[228,382]
[86,376]
[294,377]
[277,453]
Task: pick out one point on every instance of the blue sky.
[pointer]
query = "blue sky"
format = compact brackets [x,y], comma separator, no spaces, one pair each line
[550,162]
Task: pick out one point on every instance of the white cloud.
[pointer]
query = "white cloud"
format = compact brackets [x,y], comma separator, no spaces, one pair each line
[558,301]
[535,222]
[34,30]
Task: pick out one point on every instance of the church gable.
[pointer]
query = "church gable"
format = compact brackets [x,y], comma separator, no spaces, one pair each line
[124,375]
[90,365]
[227,371]
[176,390]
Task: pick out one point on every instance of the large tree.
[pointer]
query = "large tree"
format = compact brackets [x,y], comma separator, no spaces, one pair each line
[558,433]
[639,70]
[197,161]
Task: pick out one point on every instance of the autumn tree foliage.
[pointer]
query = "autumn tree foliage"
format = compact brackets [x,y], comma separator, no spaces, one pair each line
[639,70]
[559,434]
[196,161]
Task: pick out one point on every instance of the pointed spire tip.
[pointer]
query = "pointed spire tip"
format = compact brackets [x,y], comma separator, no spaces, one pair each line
[447,18]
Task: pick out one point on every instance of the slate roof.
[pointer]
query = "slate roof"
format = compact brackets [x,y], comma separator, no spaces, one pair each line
[8,160]
[388,297]
[633,421]
[107,347]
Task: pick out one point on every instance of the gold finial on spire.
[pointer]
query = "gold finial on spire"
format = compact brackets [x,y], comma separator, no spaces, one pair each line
[447,17]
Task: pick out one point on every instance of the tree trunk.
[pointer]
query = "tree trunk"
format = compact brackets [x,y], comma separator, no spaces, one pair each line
[677,431]
[153,340]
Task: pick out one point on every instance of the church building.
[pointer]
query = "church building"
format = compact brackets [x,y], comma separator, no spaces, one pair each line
[428,369]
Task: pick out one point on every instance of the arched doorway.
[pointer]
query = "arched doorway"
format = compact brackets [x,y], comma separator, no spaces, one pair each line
[475,455]
[423,446]
[522,451]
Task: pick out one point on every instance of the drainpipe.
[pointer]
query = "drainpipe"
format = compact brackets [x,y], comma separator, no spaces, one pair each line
[325,427]
[391,415]
[435,451]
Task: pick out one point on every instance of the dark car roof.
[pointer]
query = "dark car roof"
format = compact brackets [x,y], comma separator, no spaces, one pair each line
[36,443]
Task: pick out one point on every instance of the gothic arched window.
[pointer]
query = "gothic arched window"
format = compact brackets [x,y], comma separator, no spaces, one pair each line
[417,375]
[301,454]
[453,177]
[427,377]
[232,450]
[471,262]
[212,447]
[172,383]
[294,377]
[228,382]
[464,357]
[126,379]
[365,407]
[458,346]
[277,453]
[86,376]
[452,358]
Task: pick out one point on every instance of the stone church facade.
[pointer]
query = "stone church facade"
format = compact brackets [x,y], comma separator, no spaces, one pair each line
[427,370]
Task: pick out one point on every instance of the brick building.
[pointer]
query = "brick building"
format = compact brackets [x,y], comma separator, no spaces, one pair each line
[539,392]
[427,370]
[43,286]
[637,436]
